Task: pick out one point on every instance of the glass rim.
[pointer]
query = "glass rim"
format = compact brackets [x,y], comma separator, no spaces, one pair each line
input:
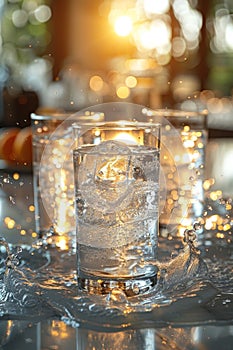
[169,112]
[119,124]
[50,116]
[62,116]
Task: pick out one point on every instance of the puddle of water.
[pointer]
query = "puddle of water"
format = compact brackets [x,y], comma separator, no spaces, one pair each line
[195,283]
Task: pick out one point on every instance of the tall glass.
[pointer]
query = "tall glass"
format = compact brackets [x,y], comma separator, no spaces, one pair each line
[52,175]
[184,139]
[116,173]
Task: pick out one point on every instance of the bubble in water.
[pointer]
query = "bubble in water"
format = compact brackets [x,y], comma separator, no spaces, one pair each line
[111,147]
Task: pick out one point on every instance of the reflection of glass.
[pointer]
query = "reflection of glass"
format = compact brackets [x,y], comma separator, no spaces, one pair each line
[131,339]
[184,138]
[116,167]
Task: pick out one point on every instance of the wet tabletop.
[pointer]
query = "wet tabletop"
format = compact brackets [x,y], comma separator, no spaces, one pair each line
[197,317]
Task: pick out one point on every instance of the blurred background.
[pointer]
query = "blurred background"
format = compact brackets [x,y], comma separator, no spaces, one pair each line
[68,55]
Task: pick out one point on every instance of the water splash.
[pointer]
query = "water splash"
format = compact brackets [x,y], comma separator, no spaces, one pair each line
[43,279]
[195,282]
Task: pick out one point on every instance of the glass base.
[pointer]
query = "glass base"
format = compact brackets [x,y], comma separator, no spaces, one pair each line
[131,287]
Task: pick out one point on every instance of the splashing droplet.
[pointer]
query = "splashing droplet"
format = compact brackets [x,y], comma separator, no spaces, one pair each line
[12,261]
[117,296]
[12,200]
[197,226]
[6,180]
[190,236]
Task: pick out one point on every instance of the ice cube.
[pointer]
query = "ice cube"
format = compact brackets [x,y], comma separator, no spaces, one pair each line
[111,147]
[105,175]
[113,170]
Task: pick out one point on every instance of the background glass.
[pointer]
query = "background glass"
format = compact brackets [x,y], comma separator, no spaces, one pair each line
[183,148]
[52,178]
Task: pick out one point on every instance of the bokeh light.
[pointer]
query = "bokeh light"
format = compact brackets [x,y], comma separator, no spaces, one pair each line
[123,92]
[123,25]
[150,25]
[43,13]
[156,6]
[96,83]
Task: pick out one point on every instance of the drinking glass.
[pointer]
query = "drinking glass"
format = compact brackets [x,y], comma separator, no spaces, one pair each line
[52,188]
[53,175]
[183,145]
[116,176]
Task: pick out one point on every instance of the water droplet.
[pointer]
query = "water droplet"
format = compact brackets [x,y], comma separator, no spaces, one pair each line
[189,236]
[163,272]
[117,296]
[12,261]
[222,201]
[28,300]
[136,288]
[12,200]
[19,250]
[197,226]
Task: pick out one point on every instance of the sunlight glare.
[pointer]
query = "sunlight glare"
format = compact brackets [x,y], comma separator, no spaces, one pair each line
[123,26]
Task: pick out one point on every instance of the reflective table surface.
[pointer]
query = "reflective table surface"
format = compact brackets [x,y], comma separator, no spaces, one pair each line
[52,333]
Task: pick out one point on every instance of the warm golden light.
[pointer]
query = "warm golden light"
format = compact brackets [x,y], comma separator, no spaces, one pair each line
[123,26]
[9,222]
[125,137]
[131,81]
[62,243]
[16,176]
[156,6]
[96,83]
[31,208]
[123,92]
[156,34]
